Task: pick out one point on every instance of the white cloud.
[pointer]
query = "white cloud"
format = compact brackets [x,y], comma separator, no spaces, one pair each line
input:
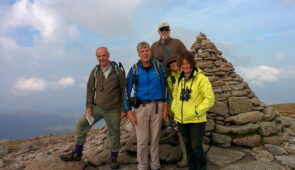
[260,75]
[7,43]
[25,85]
[30,84]
[64,82]
[38,15]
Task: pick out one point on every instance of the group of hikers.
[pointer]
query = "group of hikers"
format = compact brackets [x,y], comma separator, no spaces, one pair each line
[165,85]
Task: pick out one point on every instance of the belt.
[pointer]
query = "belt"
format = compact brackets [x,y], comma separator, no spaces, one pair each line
[145,101]
[148,101]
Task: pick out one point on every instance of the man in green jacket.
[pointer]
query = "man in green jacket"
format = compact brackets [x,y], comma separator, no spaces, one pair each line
[104,100]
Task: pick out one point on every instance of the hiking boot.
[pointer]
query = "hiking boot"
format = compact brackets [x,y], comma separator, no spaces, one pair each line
[114,163]
[72,156]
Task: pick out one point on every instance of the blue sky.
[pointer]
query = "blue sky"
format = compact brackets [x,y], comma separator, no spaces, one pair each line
[47,47]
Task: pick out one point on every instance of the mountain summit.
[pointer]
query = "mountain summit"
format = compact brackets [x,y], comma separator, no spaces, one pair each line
[242,133]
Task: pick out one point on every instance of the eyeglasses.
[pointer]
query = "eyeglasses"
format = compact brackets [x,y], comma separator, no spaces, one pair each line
[164,29]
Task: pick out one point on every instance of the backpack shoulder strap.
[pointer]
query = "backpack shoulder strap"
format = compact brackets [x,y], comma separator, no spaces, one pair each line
[96,68]
[173,80]
[115,67]
[135,75]
[157,67]
[118,67]
[160,70]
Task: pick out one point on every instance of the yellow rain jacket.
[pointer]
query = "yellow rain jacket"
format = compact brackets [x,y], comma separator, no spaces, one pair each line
[201,98]
[171,83]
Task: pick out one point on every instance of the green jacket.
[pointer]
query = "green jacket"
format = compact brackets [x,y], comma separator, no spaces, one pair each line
[201,98]
[109,93]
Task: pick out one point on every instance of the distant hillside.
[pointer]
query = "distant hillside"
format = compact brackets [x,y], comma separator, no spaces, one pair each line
[21,125]
[285,109]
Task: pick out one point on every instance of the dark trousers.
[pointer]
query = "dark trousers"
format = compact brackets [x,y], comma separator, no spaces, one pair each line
[193,138]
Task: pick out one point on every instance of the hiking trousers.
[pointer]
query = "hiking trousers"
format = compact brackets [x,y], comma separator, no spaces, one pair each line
[149,120]
[112,119]
[193,138]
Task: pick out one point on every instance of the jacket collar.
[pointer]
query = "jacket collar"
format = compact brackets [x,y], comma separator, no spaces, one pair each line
[176,74]
[193,74]
[140,64]
[167,41]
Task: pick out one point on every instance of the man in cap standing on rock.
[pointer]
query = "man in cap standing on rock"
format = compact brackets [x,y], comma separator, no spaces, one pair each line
[166,46]
[104,100]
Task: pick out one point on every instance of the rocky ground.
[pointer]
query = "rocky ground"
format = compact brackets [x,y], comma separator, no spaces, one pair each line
[43,152]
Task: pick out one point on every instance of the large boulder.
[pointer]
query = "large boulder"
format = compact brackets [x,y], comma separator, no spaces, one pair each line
[262,155]
[237,129]
[170,154]
[274,140]
[239,105]
[219,108]
[250,140]
[267,128]
[221,140]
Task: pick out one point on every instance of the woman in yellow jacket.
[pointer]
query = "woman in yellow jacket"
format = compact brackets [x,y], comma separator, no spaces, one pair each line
[192,98]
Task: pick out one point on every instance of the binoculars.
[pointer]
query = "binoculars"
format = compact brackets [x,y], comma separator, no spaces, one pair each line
[185,94]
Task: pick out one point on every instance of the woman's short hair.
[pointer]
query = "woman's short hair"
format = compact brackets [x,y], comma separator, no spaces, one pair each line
[142,45]
[189,57]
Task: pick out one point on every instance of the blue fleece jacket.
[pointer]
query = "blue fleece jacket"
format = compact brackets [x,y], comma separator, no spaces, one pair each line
[151,85]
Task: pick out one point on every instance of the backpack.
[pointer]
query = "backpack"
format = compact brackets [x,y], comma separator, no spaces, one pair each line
[117,71]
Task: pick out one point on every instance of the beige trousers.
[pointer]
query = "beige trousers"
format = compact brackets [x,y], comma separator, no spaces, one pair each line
[147,130]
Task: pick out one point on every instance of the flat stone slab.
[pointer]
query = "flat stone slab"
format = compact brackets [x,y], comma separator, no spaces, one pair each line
[237,129]
[262,155]
[287,160]
[251,140]
[244,118]
[255,165]
[221,157]
[276,150]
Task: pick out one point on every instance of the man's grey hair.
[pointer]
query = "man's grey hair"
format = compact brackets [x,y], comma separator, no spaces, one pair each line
[142,45]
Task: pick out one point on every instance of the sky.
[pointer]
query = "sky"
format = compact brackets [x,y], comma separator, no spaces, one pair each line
[47,47]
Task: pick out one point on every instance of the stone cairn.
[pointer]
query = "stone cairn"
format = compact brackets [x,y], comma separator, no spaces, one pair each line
[238,117]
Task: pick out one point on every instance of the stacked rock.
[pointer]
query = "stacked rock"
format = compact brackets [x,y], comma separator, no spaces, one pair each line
[238,116]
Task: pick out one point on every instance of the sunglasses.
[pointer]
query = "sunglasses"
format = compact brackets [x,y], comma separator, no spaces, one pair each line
[173,61]
[164,29]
